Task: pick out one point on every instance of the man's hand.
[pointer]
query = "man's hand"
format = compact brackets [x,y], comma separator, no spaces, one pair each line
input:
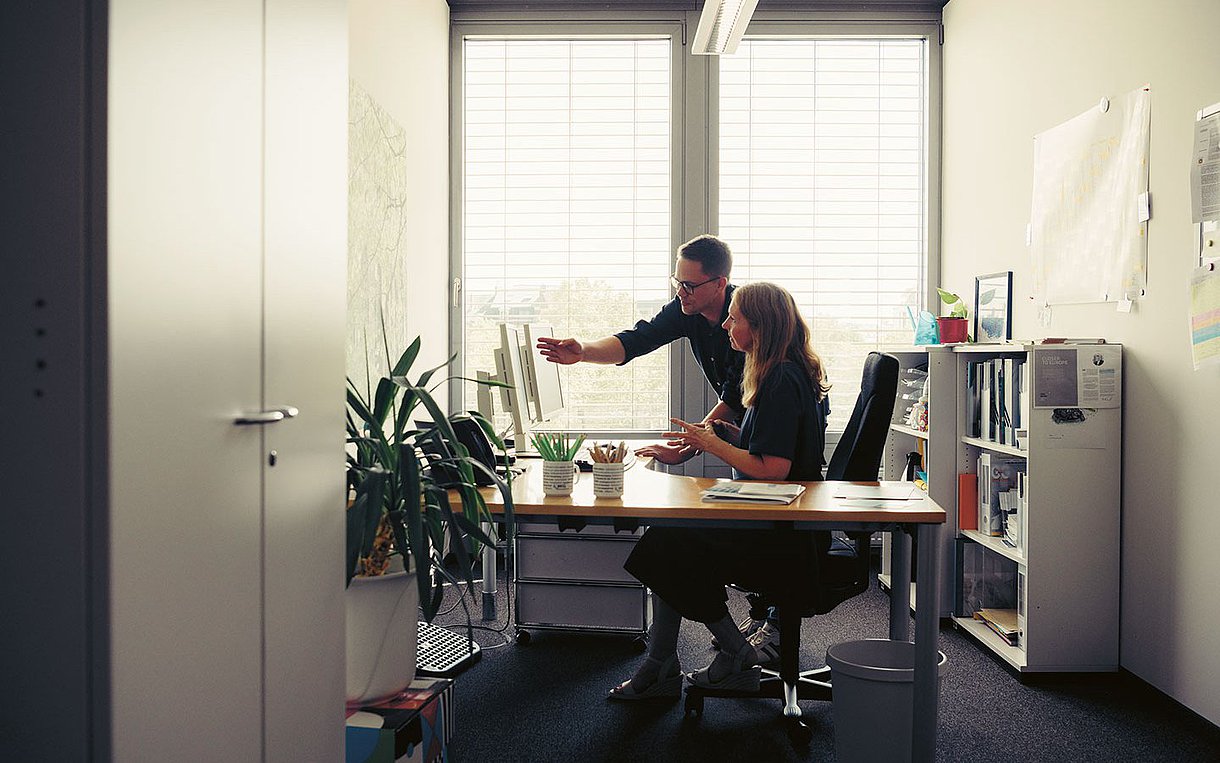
[668,454]
[562,351]
[699,436]
[726,430]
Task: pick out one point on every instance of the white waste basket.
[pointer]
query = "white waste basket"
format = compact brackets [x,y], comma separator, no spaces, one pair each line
[873,681]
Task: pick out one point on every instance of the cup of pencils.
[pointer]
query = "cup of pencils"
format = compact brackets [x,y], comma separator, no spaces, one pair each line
[608,469]
[558,469]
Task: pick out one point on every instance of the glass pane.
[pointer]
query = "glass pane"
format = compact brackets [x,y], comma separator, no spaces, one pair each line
[566,216]
[823,185]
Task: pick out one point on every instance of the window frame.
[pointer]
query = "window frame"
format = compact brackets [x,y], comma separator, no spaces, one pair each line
[695,130]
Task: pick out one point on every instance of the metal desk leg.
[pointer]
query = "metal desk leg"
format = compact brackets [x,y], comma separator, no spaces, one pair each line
[927,616]
[900,585]
[489,576]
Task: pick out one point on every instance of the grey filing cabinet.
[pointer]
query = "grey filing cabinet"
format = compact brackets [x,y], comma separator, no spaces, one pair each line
[569,577]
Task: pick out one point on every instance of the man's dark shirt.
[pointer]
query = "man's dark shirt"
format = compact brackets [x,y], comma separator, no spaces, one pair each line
[709,344]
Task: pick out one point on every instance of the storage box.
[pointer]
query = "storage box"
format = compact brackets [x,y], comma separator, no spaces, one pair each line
[415,725]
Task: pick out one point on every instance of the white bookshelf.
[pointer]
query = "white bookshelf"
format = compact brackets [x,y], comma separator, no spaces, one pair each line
[938,446]
[1069,557]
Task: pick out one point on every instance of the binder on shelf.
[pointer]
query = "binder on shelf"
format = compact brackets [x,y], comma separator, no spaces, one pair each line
[985,405]
[967,496]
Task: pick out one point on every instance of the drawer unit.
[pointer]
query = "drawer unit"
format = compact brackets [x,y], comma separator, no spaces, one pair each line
[596,559]
[575,606]
[572,579]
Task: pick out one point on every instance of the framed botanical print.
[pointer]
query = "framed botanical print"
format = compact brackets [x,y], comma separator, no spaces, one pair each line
[993,308]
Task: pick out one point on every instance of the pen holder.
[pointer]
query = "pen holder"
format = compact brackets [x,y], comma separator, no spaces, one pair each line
[557,477]
[608,480]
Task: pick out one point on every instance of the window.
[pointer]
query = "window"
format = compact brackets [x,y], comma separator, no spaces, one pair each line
[566,207]
[822,187]
[591,146]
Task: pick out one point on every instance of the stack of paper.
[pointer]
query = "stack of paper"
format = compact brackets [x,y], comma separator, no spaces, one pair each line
[765,492]
[1003,622]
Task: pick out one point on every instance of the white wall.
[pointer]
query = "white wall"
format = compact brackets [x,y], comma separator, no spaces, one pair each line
[1013,69]
[400,56]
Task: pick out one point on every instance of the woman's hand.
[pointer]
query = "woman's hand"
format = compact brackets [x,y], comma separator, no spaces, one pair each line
[699,436]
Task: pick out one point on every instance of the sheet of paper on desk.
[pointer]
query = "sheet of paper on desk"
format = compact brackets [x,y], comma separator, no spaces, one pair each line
[903,492]
[869,503]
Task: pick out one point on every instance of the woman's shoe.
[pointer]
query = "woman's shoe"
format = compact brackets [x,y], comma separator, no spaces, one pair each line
[744,675]
[668,684]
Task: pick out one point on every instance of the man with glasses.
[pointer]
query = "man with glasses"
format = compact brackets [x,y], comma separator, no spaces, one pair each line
[701,302]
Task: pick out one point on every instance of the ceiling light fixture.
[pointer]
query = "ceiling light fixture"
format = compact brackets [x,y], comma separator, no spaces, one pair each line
[721,26]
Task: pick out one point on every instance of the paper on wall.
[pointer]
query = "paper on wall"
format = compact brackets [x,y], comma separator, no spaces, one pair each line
[1088,241]
[1205,317]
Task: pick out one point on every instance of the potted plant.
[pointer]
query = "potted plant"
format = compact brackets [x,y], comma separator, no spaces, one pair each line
[398,518]
[953,327]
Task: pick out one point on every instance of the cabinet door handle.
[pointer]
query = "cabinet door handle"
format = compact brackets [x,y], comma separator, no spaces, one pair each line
[262,417]
[289,411]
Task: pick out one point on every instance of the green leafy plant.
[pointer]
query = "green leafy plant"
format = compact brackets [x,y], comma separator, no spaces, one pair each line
[556,446]
[954,302]
[399,502]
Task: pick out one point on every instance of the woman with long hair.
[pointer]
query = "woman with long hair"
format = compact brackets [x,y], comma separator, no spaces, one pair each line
[782,437]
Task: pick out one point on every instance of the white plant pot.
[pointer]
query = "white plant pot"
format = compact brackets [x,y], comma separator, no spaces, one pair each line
[382,613]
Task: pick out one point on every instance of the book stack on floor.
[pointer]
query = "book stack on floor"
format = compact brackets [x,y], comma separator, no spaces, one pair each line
[414,725]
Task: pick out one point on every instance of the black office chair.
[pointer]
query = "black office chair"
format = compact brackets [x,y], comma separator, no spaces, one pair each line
[834,576]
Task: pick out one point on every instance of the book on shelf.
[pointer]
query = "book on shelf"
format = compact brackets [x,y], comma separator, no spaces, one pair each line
[996,476]
[1003,622]
[756,492]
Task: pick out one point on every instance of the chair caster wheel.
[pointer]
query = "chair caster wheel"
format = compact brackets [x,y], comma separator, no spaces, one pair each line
[693,708]
[523,638]
[641,644]
[798,733]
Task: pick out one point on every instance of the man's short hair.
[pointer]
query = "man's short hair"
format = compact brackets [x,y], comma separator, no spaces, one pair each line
[711,253]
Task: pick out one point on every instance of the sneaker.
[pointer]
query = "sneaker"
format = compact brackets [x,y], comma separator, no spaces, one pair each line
[765,641]
[748,627]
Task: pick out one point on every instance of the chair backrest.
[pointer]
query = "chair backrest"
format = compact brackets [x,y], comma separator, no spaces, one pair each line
[858,454]
[844,568]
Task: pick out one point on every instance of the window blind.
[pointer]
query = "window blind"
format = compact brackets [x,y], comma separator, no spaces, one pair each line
[822,167]
[566,208]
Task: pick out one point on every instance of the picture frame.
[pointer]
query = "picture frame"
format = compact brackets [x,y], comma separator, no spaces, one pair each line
[993,308]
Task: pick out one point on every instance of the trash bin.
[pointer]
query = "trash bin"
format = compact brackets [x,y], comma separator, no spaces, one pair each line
[873,681]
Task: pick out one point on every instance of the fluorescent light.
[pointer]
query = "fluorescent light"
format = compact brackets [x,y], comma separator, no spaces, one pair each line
[721,26]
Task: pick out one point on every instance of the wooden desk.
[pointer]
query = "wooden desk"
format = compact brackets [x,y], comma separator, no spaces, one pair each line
[656,498]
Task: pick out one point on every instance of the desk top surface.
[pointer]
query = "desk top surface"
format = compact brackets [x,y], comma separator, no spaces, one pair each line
[649,494]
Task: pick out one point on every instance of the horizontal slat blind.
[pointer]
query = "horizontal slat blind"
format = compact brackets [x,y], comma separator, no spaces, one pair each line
[566,208]
[822,187]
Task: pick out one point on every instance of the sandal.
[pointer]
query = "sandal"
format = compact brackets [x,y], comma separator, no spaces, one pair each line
[668,684]
[745,675]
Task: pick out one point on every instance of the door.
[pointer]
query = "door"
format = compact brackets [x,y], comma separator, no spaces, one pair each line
[226,214]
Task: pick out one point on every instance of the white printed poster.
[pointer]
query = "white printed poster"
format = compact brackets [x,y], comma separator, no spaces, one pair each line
[1088,219]
[1101,376]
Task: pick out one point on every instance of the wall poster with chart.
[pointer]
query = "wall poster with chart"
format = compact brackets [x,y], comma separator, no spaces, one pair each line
[1090,210]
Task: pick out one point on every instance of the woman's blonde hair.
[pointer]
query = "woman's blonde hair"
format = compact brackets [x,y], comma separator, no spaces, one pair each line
[780,333]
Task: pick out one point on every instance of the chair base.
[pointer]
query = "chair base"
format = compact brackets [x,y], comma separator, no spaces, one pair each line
[810,685]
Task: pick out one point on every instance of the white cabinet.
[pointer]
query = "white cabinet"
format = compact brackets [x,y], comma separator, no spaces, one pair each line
[1061,572]
[936,446]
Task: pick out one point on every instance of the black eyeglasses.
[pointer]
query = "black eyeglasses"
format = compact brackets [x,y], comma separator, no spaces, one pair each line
[687,286]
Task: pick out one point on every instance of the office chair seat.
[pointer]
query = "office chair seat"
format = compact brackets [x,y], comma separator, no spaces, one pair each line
[836,574]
